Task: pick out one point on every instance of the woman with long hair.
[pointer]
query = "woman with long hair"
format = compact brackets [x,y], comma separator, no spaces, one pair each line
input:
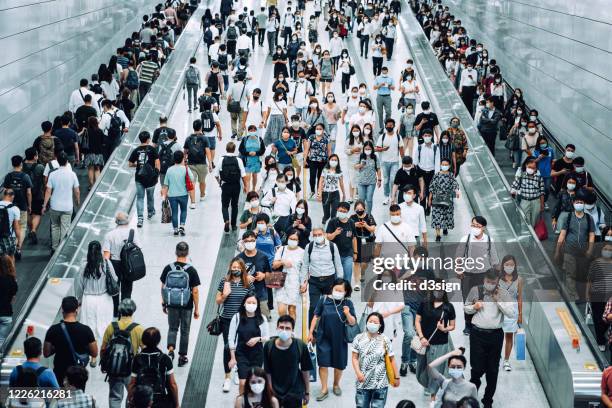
[317,149]
[271,171]
[8,290]
[92,289]
[288,258]
[257,391]
[293,181]
[331,187]
[332,112]
[511,282]
[232,290]
[365,226]
[247,333]
[92,141]
[353,149]
[276,118]
[368,175]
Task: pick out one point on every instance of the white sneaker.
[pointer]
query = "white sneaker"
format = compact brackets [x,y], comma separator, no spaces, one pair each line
[507,366]
[226,385]
[202,198]
[386,201]
[192,206]
[235,376]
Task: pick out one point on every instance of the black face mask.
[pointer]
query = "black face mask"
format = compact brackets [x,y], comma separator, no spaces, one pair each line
[360,212]
[389,129]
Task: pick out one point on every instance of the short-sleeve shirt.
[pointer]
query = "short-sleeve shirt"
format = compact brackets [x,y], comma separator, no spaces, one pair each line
[283,147]
[285,366]
[175,180]
[430,317]
[371,351]
[194,278]
[234,300]
[141,361]
[45,379]
[135,333]
[331,180]
[204,143]
[431,123]
[606,382]
[68,137]
[142,155]
[318,149]
[62,181]
[164,132]
[81,336]
[344,241]
[254,264]
[18,178]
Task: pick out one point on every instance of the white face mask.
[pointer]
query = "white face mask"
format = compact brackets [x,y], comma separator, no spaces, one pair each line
[368,151]
[396,219]
[281,186]
[319,239]
[372,327]
[408,198]
[409,111]
[249,246]
[444,140]
[530,171]
[355,134]
[367,131]
[272,174]
[453,372]
[509,270]
[258,388]
[427,139]
[338,295]
[262,227]
[300,211]
[250,307]
[333,163]
[476,231]
[254,203]
[490,287]
[292,243]
[319,132]
[444,167]
[569,154]
[362,109]
[313,106]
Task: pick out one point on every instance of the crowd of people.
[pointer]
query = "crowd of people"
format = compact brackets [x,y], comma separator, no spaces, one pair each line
[348,145]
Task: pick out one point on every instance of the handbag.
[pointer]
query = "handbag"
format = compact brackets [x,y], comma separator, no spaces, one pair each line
[351,69]
[166,214]
[188,183]
[540,229]
[294,161]
[214,327]
[234,106]
[350,332]
[389,367]
[416,345]
[276,279]
[79,359]
[442,200]
[112,286]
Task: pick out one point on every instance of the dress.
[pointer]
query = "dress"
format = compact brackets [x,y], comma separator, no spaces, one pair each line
[443,217]
[510,325]
[332,349]
[253,163]
[289,294]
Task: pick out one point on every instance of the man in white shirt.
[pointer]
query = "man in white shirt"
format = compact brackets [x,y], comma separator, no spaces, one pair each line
[394,231]
[467,87]
[391,150]
[426,158]
[300,92]
[229,173]
[281,200]
[255,112]
[62,184]
[77,97]
[113,134]
[243,44]
[238,92]
[213,50]
[414,215]
[9,244]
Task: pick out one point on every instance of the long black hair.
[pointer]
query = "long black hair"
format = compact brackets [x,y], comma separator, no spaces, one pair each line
[95,260]
[267,395]
[242,310]
[337,169]
[372,156]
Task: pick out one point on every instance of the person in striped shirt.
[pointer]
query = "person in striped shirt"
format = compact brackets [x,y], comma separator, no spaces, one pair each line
[147,72]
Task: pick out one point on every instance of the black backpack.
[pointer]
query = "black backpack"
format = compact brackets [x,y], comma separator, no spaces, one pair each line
[151,374]
[132,260]
[14,180]
[232,34]
[208,121]
[166,156]
[196,149]
[162,136]
[35,172]
[117,358]
[28,377]
[115,126]
[230,170]
[145,173]
[208,36]
[5,221]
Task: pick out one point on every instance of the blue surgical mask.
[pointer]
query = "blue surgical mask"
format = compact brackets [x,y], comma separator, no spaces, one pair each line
[579,206]
[455,372]
[284,335]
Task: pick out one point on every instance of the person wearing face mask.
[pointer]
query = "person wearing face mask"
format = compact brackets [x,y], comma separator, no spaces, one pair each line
[287,22]
[409,89]
[584,180]
[544,156]
[447,151]
[231,291]
[475,245]
[394,231]
[497,91]
[368,358]
[406,127]
[368,174]
[272,26]
[331,111]
[341,231]
[378,52]
[529,141]
[365,226]
[488,305]
[427,121]
[598,215]
[281,201]
[364,116]
[257,264]
[528,186]
[248,332]
[292,50]
[510,281]
[311,73]
[457,387]
[257,391]
[255,112]
[389,33]
[383,85]
[364,31]
[344,65]
[598,292]
[353,149]
[284,149]
[293,182]
[330,190]
[391,149]
[326,72]
[435,318]
[289,258]
[276,117]
[515,136]
[442,191]
[300,93]
[331,314]
[301,222]
[251,149]
[562,167]
[467,86]
[413,214]
[335,49]
[427,161]
[316,151]
[230,173]
[321,265]
[576,240]
[565,205]
[488,125]
[406,176]
[287,365]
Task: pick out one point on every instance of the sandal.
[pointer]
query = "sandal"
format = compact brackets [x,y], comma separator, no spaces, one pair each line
[322,396]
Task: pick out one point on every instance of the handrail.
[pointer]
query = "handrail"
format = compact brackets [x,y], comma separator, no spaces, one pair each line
[107,192]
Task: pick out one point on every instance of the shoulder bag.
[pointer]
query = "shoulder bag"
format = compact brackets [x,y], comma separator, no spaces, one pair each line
[294,161]
[79,359]
[214,327]
[276,278]
[234,106]
[416,345]
[188,183]
[391,375]
[112,286]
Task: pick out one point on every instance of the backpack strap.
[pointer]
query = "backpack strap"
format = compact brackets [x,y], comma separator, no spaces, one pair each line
[131,327]
[40,370]
[115,327]
[480,292]
[131,236]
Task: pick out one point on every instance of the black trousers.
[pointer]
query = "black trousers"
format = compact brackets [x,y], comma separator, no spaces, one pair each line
[346,82]
[231,48]
[315,170]
[389,42]
[364,41]
[125,286]
[261,35]
[489,138]
[427,177]
[485,352]
[330,204]
[318,287]
[601,327]
[377,63]
[230,193]
[467,95]
[225,325]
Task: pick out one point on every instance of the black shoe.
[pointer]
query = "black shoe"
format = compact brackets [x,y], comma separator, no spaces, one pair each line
[181,231]
[18,255]
[176,232]
[171,355]
[189,110]
[438,238]
[140,222]
[466,331]
[33,238]
[403,370]
[445,231]
[182,360]
[226,227]
[412,367]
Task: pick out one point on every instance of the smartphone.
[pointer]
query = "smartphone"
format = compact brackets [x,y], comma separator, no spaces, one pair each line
[363,162]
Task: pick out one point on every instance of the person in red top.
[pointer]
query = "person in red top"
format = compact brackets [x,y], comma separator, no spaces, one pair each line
[606,387]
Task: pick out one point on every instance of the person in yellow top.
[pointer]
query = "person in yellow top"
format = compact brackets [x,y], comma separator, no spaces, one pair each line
[117,382]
